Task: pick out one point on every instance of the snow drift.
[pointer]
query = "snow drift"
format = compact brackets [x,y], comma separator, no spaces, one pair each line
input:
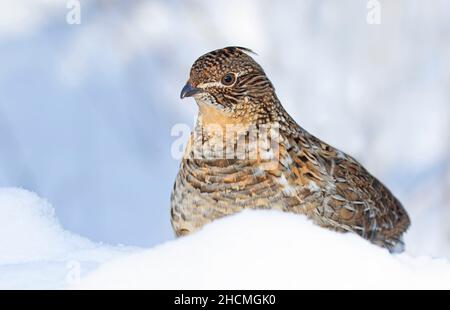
[251,250]
[269,250]
[36,252]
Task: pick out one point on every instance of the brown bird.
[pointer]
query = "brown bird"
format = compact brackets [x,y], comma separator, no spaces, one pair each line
[299,173]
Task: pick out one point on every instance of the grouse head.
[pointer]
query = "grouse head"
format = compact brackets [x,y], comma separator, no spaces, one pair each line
[228,85]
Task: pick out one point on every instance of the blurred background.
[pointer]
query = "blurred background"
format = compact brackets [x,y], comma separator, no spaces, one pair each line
[86,110]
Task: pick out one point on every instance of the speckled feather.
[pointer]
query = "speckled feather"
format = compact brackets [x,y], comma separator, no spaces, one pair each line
[310,177]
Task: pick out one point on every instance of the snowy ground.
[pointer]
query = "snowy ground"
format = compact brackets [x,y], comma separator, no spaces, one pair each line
[252,250]
[36,252]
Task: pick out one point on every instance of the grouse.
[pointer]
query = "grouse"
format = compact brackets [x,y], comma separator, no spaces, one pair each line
[246,152]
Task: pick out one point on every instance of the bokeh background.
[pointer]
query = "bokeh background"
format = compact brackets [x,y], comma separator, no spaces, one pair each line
[86,111]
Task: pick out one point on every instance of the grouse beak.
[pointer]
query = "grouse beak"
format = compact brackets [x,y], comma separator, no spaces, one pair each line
[189,91]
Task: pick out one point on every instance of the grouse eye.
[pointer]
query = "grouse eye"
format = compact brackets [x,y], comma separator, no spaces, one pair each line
[228,79]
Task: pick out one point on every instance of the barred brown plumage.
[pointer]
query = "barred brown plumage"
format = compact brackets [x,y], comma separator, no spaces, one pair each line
[309,176]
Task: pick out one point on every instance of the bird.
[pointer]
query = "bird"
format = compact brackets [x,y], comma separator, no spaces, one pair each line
[306,176]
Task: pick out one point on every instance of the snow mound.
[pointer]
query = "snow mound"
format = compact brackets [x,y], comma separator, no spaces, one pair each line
[251,250]
[29,230]
[36,252]
[268,250]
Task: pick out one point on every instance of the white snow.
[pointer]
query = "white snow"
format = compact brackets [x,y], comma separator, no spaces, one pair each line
[251,250]
[269,250]
[36,252]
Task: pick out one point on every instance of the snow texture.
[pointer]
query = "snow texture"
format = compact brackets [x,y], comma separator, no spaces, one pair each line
[269,250]
[251,250]
[36,252]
